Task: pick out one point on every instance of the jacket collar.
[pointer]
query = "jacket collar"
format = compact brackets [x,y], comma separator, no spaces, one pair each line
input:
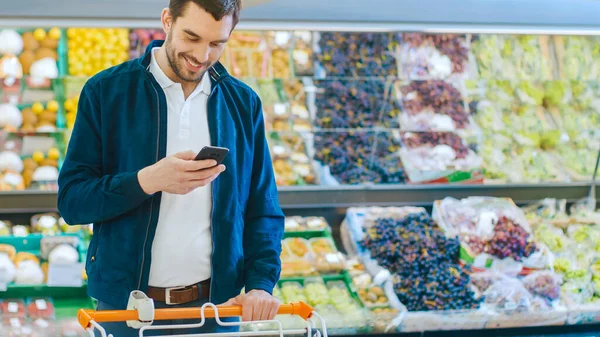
[217,72]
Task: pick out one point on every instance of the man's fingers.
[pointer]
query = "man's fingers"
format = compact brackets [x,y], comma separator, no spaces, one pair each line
[186,155]
[274,307]
[197,165]
[247,312]
[259,311]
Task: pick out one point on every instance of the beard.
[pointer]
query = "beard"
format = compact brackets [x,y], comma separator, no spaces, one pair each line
[177,60]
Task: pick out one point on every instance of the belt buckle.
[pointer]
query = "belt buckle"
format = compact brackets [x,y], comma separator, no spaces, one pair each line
[168,294]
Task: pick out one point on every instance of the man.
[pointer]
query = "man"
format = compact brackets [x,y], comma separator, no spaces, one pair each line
[183,231]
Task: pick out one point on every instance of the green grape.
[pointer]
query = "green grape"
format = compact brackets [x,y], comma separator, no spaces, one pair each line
[555,92]
[562,265]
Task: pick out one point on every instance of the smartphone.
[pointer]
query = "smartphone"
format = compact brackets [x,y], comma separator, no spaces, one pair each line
[213,152]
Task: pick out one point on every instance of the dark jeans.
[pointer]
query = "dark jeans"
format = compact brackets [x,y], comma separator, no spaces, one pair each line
[121,329]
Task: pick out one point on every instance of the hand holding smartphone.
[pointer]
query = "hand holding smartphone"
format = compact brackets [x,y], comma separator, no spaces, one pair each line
[217,154]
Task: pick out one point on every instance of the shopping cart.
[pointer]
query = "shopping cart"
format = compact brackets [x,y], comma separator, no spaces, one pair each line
[140,314]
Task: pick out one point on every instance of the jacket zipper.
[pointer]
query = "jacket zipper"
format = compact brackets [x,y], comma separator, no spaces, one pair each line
[212,204]
[93,258]
[152,202]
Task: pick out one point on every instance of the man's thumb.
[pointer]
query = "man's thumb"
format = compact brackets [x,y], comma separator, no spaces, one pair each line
[186,155]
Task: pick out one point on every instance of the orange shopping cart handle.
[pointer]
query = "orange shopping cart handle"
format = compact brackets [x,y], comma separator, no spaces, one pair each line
[84,316]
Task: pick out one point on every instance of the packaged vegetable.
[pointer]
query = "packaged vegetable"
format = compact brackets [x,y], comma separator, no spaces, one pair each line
[545,284]
[508,294]
[40,308]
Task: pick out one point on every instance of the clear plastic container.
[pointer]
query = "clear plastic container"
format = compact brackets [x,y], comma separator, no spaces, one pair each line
[298,247]
[293,292]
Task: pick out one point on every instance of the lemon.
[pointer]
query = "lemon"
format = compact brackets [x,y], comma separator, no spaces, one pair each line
[37,156]
[39,34]
[53,153]
[69,105]
[55,33]
[37,108]
[52,106]
[71,33]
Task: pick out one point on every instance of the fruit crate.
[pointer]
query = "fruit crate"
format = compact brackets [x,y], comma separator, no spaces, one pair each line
[60,49]
[327,283]
[32,244]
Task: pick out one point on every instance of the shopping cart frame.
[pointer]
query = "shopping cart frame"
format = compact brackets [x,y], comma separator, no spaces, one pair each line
[141,314]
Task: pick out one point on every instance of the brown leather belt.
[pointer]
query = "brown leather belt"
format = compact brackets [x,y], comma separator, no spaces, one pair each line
[180,295]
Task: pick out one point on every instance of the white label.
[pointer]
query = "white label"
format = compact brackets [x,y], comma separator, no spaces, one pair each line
[47,222]
[282,38]
[13,179]
[41,305]
[42,323]
[313,223]
[332,258]
[13,307]
[301,57]
[291,223]
[20,231]
[278,150]
[280,109]
[304,35]
[65,275]
[36,143]
[15,322]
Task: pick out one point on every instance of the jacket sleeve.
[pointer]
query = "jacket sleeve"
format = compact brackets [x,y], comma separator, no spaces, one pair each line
[86,194]
[264,222]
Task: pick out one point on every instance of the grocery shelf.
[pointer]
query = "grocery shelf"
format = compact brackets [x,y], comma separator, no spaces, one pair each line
[308,197]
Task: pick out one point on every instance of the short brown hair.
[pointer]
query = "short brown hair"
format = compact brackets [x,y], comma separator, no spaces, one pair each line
[217,8]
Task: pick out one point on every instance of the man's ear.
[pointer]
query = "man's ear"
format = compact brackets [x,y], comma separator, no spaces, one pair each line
[167,20]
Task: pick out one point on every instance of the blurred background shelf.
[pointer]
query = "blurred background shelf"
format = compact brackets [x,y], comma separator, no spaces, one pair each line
[314,197]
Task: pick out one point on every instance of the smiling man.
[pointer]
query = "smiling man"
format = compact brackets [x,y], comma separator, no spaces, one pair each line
[184,231]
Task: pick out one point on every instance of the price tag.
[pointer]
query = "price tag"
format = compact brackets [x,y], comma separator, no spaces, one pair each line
[36,143]
[278,150]
[41,305]
[13,307]
[65,275]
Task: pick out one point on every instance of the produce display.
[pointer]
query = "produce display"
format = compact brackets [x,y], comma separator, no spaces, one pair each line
[29,119]
[36,51]
[305,224]
[354,103]
[578,57]
[433,56]
[513,57]
[91,50]
[291,161]
[139,39]
[424,262]
[490,230]
[348,54]
[433,106]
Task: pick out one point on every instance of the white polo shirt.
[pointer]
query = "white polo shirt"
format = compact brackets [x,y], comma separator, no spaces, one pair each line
[182,247]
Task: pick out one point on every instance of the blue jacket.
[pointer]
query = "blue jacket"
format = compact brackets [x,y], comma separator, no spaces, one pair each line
[121,127]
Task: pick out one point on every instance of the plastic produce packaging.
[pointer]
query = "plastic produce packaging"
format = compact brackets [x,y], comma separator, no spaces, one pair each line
[433,106]
[545,284]
[434,56]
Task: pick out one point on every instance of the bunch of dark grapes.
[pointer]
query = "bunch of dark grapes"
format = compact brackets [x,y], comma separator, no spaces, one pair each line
[451,45]
[354,104]
[439,96]
[423,261]
[436,138]
[345,54]
[345,154]
[352,160]
[510,240]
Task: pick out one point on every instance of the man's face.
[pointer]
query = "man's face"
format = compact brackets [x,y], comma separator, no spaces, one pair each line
[195,41]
